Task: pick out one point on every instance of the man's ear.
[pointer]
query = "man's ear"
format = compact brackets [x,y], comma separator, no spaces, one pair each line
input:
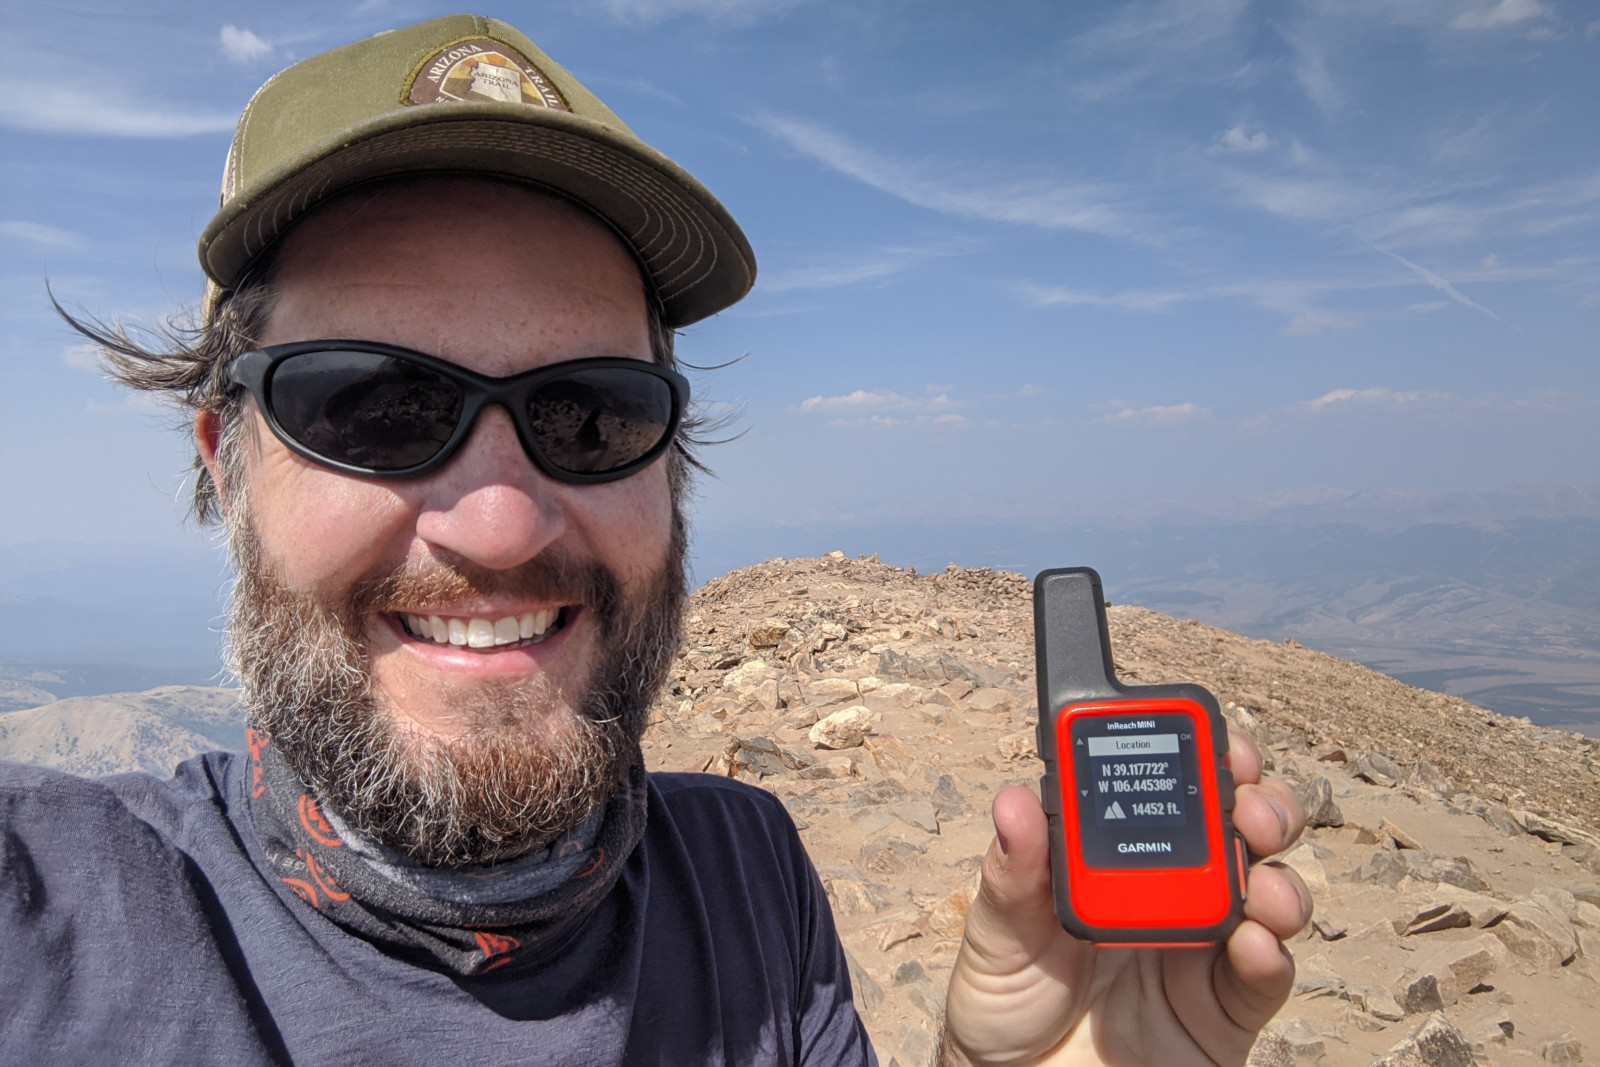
[207,438]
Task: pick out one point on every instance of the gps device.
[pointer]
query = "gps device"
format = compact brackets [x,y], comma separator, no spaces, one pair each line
[1137,787]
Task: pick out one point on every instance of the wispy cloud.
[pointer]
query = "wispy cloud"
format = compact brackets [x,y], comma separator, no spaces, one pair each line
[243,47]
[1158,40]
[1160,415]
[1239,140]
[1048,203]
[873,266]
[1503,13]
[1363,397]
[864,400]
[81,357]
[38,233]
[1132,300]
[50,108]
[738,12]
[1311,322]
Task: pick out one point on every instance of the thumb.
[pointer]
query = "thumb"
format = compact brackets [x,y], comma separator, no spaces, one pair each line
[1014,912]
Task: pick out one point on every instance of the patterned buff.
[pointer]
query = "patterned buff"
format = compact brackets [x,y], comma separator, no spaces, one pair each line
[461,920]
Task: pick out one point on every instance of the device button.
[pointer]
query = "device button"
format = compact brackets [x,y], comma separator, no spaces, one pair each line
[1050,794]
[1224,787]
[1240,854]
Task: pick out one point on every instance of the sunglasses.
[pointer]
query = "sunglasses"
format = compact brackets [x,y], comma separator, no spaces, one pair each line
[378,410]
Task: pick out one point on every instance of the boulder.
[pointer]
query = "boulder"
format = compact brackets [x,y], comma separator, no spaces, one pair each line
[992,701]
[1536,935]
[842,729]
[1317,798]
[1391,868]
[1436,1043]
[1378,769]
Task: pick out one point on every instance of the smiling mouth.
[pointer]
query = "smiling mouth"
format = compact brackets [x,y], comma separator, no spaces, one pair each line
[486,634]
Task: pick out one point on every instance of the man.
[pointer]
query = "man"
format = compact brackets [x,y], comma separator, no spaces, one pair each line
[435,411]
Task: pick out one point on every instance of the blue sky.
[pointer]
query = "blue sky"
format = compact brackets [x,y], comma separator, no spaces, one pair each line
[1018,261]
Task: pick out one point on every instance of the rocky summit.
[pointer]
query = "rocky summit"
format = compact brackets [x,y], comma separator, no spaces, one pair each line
[1454,854]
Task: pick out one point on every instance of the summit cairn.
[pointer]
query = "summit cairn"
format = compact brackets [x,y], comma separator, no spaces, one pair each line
[1454,854]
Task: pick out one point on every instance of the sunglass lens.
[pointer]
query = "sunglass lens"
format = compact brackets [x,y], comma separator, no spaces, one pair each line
[364,409]
[600,420]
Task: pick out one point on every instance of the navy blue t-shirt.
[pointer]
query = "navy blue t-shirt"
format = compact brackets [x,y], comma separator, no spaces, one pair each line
[137,926]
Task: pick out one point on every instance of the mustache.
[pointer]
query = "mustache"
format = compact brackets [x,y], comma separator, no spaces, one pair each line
[422,584]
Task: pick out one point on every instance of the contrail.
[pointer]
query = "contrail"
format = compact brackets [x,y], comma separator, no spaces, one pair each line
[1437,282]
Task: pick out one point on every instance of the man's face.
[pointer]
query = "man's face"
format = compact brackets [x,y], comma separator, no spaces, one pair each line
[499,280]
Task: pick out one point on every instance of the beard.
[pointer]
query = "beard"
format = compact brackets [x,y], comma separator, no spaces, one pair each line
[537,762]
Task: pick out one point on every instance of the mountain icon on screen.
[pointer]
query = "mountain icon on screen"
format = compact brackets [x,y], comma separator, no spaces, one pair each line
[1115,811]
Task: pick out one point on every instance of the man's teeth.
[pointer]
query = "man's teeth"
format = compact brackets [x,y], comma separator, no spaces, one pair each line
[483,633]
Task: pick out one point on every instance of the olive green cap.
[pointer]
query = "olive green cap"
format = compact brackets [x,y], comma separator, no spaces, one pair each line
[467,95]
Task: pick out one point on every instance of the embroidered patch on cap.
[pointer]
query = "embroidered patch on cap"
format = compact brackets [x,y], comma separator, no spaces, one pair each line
[478,68]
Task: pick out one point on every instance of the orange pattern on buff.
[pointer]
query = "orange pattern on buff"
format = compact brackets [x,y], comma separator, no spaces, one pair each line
[496,948]
[318,827]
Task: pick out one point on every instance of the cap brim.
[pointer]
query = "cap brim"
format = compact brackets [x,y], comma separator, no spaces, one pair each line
[687,244]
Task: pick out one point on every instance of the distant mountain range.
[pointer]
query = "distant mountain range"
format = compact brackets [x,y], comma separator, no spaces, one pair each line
[1493,596]
[152,731]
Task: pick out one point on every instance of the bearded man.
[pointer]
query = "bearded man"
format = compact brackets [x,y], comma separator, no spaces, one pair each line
[435,411]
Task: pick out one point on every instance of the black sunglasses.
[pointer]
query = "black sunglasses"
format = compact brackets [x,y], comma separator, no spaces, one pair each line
[382,411]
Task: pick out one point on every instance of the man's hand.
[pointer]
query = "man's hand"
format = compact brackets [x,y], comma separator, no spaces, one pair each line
[1024,991]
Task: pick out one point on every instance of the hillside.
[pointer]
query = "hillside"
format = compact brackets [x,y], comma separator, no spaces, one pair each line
[151,731]
[1454,856]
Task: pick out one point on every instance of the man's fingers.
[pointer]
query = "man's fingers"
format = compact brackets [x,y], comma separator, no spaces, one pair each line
[1015,899]
[1269,816]
[1244,759]
[1278,899]
[1253,975]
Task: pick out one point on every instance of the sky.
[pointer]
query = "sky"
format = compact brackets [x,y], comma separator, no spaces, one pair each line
[1018,261]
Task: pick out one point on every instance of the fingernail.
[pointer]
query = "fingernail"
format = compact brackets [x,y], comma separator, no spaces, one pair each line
[1281,812]
[1000,839]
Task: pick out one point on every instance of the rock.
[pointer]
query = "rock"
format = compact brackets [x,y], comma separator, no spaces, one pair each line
[1332,754]
[1317,798]
[825,692]
[1304,861]
[760,757]
[1561,1050]
[1315,977]
[1535,934]
[1400,838]
[1436,1043]
[834,767]
[888,754]
[1425,776]
[1271,1049]
[908,972]
[867,992]
[1462,966]
[842,729]
[767,634]
[1488,1027]
[1587,916]
[947,799]
[1378,769]
[917,813]
[852,895]
[1558,900]
[1499,816]
[1018,746]
[926,999]
[890,856]
[898,933]
[1377,1002]
[1305,1044]
[914,1046]
[1418,993]
[1432,917]
[746,675]
[949,917]
[1391,868]
[992,701]
[1559,832]
[1329,927]
[871,820]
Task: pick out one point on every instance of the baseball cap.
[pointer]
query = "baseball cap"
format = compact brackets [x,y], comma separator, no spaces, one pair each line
[466,95]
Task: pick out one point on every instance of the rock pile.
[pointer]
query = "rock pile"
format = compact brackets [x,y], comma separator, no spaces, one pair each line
[1454,853]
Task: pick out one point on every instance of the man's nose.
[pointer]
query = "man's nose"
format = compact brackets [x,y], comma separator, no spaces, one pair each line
[489,504]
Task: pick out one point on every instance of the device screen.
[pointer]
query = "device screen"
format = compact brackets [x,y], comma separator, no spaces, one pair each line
[1139,799]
